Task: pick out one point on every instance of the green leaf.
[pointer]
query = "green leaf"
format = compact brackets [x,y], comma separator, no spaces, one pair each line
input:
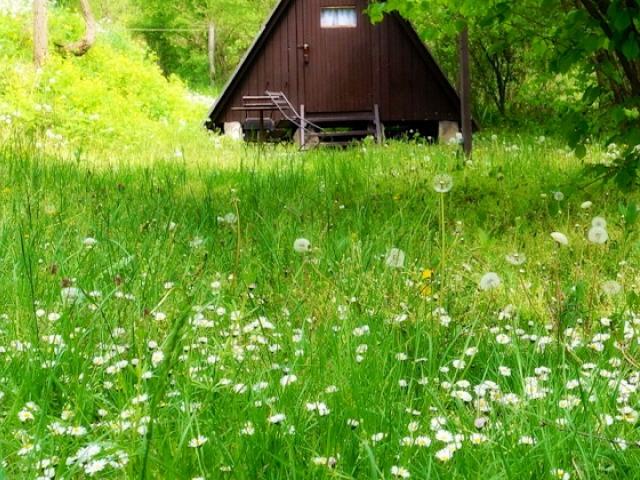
[631,216]
[632,113]
[631,48]
[376,12]
[581,150]
[620,19]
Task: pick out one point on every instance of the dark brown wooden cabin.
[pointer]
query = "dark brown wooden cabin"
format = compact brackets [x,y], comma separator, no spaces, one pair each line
[321,64]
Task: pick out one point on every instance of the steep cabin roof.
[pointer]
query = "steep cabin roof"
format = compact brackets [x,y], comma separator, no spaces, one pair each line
[344,70]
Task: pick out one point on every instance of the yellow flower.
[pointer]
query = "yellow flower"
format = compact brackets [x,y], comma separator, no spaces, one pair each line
[426,291]
[425,285]
[427,274]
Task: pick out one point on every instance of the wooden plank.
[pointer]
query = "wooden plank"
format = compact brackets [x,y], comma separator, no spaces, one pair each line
[270,108]
[337,117]
[349,133]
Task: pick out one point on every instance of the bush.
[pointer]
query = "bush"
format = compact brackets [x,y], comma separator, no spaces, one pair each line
[115,95]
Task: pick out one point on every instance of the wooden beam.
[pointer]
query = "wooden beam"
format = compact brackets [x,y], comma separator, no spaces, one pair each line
[465,92]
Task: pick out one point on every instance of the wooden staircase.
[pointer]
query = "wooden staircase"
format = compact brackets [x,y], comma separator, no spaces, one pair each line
[332,129]
[341,129]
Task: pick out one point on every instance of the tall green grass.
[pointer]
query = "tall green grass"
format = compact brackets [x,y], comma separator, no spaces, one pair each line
[173,278]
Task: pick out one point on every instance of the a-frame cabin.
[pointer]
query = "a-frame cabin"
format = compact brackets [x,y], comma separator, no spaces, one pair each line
[322,68]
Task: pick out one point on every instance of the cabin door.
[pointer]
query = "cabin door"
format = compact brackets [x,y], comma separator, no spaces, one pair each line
[337,57]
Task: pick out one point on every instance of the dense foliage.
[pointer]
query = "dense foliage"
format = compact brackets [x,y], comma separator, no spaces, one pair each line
[594,45]
[115,99]
[186,52]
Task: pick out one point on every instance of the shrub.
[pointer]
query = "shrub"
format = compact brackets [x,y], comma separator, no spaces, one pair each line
[116,95]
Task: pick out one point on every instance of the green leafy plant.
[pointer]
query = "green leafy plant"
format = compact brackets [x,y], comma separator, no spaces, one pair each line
[114,96]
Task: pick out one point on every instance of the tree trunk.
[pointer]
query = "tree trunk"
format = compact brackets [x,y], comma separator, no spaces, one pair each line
[82,46]
[40,32]
[598,9]
[465,92]
[212,52]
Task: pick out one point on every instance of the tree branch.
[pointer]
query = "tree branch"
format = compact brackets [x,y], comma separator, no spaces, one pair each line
[629,68]
[82,46]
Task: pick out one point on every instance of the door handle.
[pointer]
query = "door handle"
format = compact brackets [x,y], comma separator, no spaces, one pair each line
[306,49]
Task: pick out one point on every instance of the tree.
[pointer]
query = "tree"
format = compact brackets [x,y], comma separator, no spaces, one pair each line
[177,32]
[619,20]
[498,48]
[595,42]
[40,32]
[497,71]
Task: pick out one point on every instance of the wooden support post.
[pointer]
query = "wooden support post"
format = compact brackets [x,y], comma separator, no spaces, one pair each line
[212,52]
[261,134]
[303,127]
[379,128]
[465,92]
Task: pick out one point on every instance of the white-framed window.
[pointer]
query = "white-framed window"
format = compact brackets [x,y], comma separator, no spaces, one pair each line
[339,17]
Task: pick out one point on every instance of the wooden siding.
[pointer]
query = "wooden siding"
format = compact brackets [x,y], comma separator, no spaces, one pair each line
[349,69]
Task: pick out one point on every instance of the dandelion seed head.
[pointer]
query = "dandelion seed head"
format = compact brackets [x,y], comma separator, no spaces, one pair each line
[599,222]
[443,183]
[89,242]
[490,281]
[560,238]
[516,259]
[302,246]
[71,295]
[598,235]
[611,288]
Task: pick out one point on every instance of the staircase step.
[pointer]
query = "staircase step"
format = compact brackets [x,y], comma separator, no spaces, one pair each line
[350,133]
[340,117]
[336,144]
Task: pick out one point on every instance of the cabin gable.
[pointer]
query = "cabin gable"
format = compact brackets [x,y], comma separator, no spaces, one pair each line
[334,63]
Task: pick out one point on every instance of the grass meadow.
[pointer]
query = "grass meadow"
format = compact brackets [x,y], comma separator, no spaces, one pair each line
[259,313]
